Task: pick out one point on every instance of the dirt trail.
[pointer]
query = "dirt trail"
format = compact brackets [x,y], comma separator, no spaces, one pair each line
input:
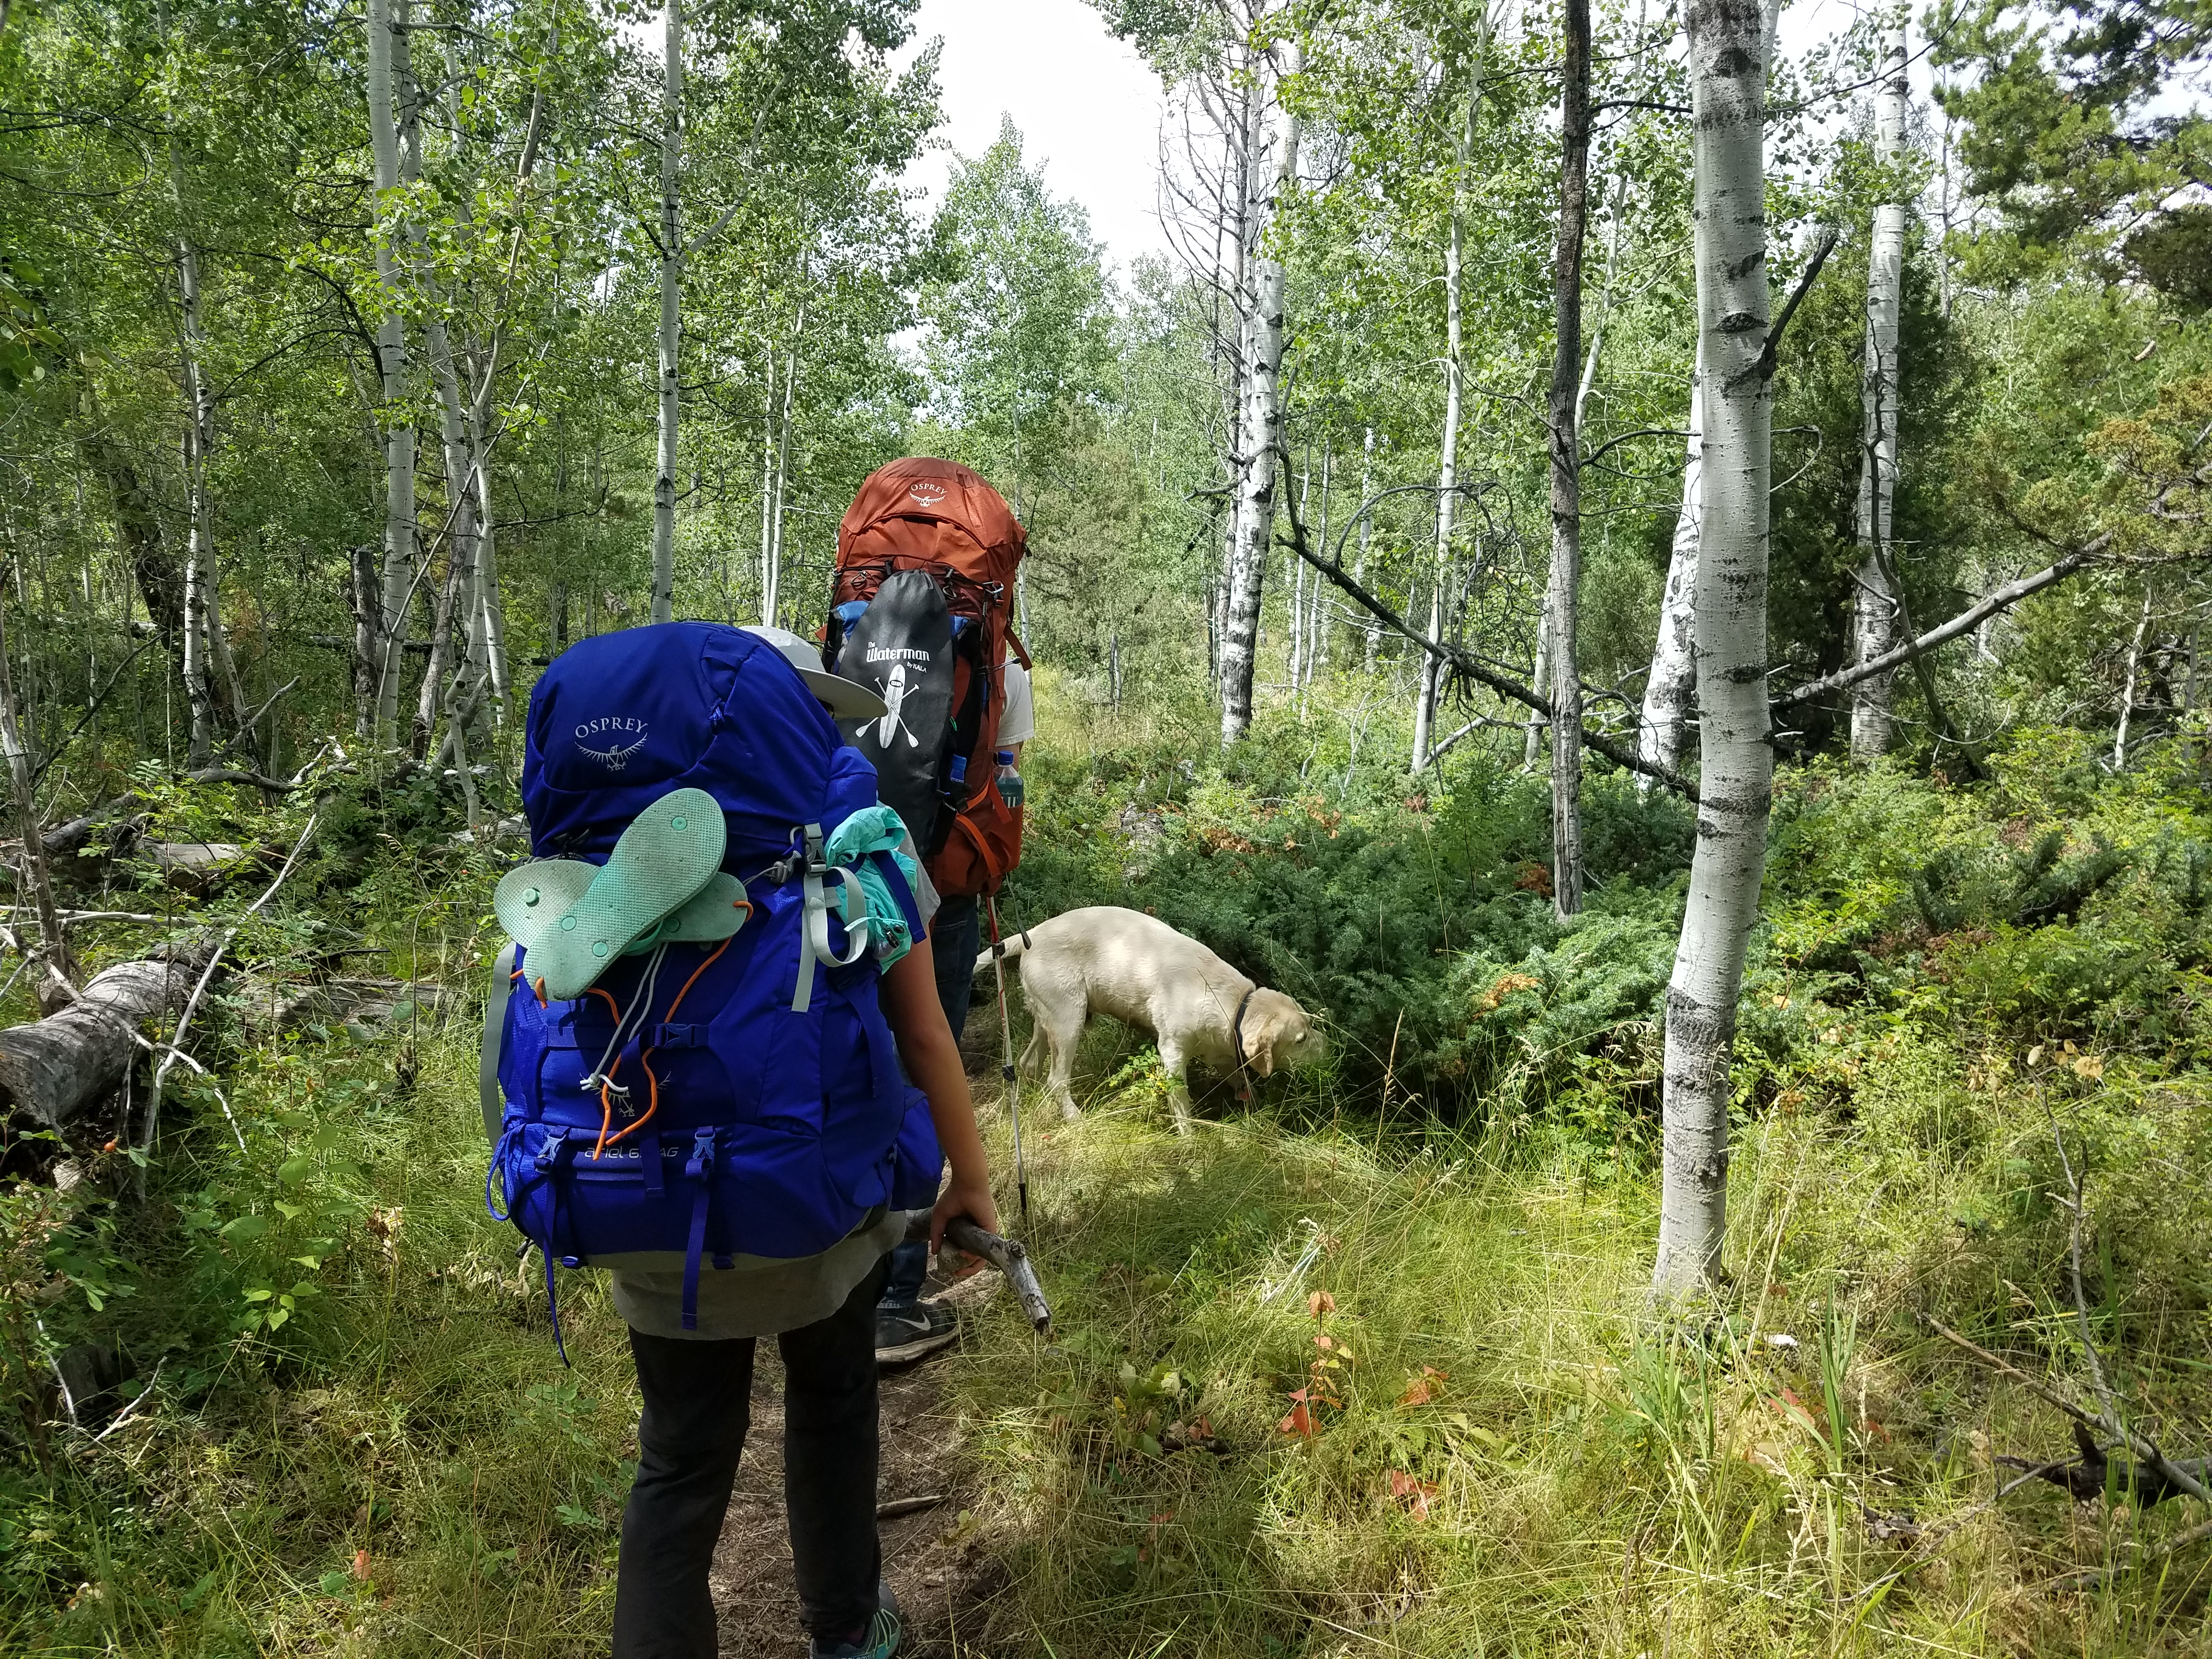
[939,1579]
[935,1576]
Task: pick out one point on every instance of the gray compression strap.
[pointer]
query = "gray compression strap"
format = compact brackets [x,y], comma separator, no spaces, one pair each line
[495,1031]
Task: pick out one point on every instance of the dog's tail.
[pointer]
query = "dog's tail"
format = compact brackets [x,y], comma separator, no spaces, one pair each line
[1008,948]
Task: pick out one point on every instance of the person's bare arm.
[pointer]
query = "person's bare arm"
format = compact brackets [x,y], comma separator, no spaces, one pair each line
[909,998]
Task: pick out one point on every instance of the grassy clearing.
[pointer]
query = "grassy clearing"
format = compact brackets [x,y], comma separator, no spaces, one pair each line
[357,1438]
[1509,1457]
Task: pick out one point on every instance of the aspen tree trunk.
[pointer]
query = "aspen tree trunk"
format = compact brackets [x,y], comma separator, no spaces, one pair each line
[2128,694]
[1727,70]
[1669,689]
[671,312]
[199,550]
[489,639]
[1874,606]
[1262,414]
[1565,585]
[782,473]
[52,943]
[457,603]
[768,571]
[1366,528]
[1425,710]
[1232,272]
[386,18]
[1316,611]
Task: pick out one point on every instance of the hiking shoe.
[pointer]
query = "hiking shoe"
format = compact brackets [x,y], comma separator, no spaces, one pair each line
[878,1641]
[904,1333]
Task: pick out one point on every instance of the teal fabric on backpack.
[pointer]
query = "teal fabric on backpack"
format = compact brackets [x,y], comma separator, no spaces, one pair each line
[710,1099]
[877,830]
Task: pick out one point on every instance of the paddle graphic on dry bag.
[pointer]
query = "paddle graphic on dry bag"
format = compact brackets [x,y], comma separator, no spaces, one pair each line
[901,645]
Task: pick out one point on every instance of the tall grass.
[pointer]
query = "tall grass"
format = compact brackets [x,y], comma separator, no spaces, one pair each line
[1511,1457]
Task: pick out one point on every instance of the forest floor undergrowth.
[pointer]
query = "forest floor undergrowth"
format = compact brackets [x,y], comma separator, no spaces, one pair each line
[1365,1367]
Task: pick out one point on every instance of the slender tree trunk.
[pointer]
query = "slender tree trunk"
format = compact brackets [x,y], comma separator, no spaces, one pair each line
[456,603]
[1874,615]
[767,570]
[1316,611]
[1565,586]
[1726,64]
[1540,674]
[671,312]
[1263,410]
[367,609]
[783,469]
[491,615]
[2128,693]
[387,20]
[1366,528]
[54,944]
[1672,685]
[199,695]
[1425,710]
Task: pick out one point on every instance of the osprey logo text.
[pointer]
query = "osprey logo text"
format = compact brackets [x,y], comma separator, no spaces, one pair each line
[928,491]
[612,731]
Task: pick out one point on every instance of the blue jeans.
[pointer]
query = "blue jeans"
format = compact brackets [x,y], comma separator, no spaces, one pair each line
[955,934]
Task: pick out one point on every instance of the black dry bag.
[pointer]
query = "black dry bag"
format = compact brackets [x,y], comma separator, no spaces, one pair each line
[900,646]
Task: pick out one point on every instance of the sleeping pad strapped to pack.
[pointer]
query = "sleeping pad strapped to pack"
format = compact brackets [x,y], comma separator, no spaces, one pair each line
[920,613]
[682,1110]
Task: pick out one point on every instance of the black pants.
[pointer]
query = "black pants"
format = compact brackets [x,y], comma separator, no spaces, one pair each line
[955,936]
[689,1439]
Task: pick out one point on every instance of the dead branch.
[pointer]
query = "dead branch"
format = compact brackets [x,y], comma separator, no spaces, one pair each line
[2140,1444]
[1965,622]
[1466,662]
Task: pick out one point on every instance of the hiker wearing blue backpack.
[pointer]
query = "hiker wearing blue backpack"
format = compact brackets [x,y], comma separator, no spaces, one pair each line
[715,1064]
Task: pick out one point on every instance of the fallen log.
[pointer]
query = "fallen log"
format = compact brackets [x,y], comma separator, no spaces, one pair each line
[52,1070]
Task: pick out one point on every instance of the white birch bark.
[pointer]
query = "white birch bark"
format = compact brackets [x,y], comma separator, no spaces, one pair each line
[1669,689]
[1425,710]
[1318,606]
[385,20]
[1727,61]
[1565,587]
[768,571]
[199,546]
[1261,425]
[2128,693]
[782,469]
[1359,567]
[1874,607]
[671,311]
[457,607]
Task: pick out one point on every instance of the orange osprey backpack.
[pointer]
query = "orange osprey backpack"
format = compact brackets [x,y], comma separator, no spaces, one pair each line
[919,610]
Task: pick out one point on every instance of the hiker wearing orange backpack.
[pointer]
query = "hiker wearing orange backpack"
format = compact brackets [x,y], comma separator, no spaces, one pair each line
[920,611]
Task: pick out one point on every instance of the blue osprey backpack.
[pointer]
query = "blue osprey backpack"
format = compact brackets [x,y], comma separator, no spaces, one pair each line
[701,1102]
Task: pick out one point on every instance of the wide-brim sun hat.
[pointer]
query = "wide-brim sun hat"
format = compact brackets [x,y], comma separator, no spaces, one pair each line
[843,698]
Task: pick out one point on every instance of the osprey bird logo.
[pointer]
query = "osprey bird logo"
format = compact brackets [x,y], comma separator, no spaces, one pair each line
[617,754]
[895,690]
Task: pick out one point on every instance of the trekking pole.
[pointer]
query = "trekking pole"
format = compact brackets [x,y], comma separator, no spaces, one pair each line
[1007,1063]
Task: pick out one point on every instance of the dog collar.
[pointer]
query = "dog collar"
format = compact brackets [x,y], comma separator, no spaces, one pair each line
[1237,1030]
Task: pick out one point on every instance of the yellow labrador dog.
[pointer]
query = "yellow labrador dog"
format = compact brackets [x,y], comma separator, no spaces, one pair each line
[1107,960]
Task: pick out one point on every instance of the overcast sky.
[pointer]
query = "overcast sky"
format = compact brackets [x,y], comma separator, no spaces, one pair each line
[1088,108]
